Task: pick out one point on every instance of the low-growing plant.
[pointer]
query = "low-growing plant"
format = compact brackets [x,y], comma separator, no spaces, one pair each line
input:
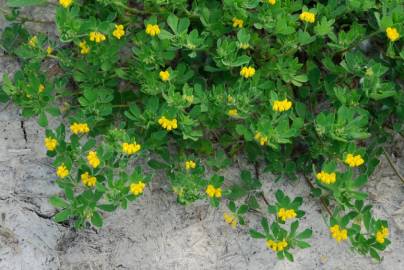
[308,90]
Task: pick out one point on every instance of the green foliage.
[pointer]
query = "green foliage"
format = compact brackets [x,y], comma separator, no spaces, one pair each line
[191,85]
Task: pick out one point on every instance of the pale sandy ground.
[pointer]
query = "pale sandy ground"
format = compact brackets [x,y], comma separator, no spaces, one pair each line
[155,232]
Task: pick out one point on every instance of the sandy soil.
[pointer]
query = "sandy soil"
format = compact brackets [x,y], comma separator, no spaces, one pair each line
[155,232]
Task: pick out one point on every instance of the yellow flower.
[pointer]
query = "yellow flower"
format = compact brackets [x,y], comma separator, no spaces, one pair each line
[392,34]
[164,75]
[152,30]
[213,192]
[190,164]
[93,159]
[88,180]
[97,37]
[65,3]
[272,2]
[238,23]
[261,139]
[137,188]
[84,48]
[285,214]
[32,42]
[354,161]
[282,105]
[131,148]
[49,50]
[306,16]
[230,219]
[62,171]
[79,128]
[232,112]
[230,99]
[327,178]
[119,31]
[244,46]
[247,72]
[338,234]
[382,234]
[41,88]
[50,143]
[189,99]
[277,246]
[168,124]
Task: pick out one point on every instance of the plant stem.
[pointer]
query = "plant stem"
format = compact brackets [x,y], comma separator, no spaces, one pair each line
[323,202]
[392,165]
[257,175]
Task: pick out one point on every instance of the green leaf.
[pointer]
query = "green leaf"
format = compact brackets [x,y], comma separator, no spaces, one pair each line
[302,244]
[288,256]
[42,120]
[96,219]
[265,226]
[257,235]
[236,192]
[58,202]
[305,234]
[172,21]
[157,165]
[243,209]
[107,207]
[25,3]
[374,254]
[62,215]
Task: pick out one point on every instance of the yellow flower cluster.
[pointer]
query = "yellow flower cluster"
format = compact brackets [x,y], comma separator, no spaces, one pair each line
[392,34]
[354,161]
[338,234]
[247,72]
[213,192]
[238,23]
[230,219]
[32,42]
[41,88]
[97,37]
[152,30]
[167,123]
[88,180]
[79,128]
[62,171]
[382,234]
[307,17]
[277,246]
[119,31]
[65,3]
[49,50]
[137,188]
[282,105]
[84,49]
[93,159]
[50,143]
[232,112]
[327,178]
[261,139]
[164,75]
[285,214]
[131,148]
[190,164]
[271,2]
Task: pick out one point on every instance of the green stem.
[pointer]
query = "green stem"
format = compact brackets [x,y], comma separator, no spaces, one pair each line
[392,165]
